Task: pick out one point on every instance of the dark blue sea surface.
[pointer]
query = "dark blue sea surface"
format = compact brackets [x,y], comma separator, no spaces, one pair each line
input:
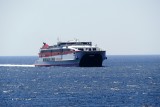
[124,81]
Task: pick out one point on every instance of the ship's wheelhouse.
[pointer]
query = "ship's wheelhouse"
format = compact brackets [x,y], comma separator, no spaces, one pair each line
[86,48]
[74,43]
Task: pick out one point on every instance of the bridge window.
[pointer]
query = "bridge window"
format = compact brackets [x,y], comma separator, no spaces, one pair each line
[94,49]
[80,49]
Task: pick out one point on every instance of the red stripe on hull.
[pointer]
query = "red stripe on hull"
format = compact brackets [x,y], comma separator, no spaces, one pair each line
[47,54]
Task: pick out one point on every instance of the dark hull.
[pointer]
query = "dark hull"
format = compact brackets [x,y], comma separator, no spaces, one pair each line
[92,59]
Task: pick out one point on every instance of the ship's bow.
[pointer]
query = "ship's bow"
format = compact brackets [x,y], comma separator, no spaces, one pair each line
[91,58]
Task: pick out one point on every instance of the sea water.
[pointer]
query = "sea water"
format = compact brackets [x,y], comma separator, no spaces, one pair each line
[123,81]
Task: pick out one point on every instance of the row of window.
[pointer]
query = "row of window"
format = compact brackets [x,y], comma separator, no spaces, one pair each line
[48,59]
[65,50]
[74,43]
[58,50]
[87,49]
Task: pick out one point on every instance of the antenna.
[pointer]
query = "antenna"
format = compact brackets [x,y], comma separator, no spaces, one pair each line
[58,39]
[76,40]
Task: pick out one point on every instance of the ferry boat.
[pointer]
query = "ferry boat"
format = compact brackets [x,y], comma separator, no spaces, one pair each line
[71,53]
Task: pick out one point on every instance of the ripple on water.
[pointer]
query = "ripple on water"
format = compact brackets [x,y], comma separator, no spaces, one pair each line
[133,86]
[115,89]
[7,91]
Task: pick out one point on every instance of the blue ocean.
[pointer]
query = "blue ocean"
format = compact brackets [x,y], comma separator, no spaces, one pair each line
[123,81]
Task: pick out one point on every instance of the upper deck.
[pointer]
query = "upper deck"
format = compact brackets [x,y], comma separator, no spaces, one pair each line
[62,48]
[74,43]
[65,44]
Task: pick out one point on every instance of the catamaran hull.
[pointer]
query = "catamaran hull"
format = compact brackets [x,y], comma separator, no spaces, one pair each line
[80,58]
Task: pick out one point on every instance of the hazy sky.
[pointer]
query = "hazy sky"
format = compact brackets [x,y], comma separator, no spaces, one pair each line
[118,26]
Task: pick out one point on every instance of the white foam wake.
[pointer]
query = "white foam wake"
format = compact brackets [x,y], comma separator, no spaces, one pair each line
[15,65]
